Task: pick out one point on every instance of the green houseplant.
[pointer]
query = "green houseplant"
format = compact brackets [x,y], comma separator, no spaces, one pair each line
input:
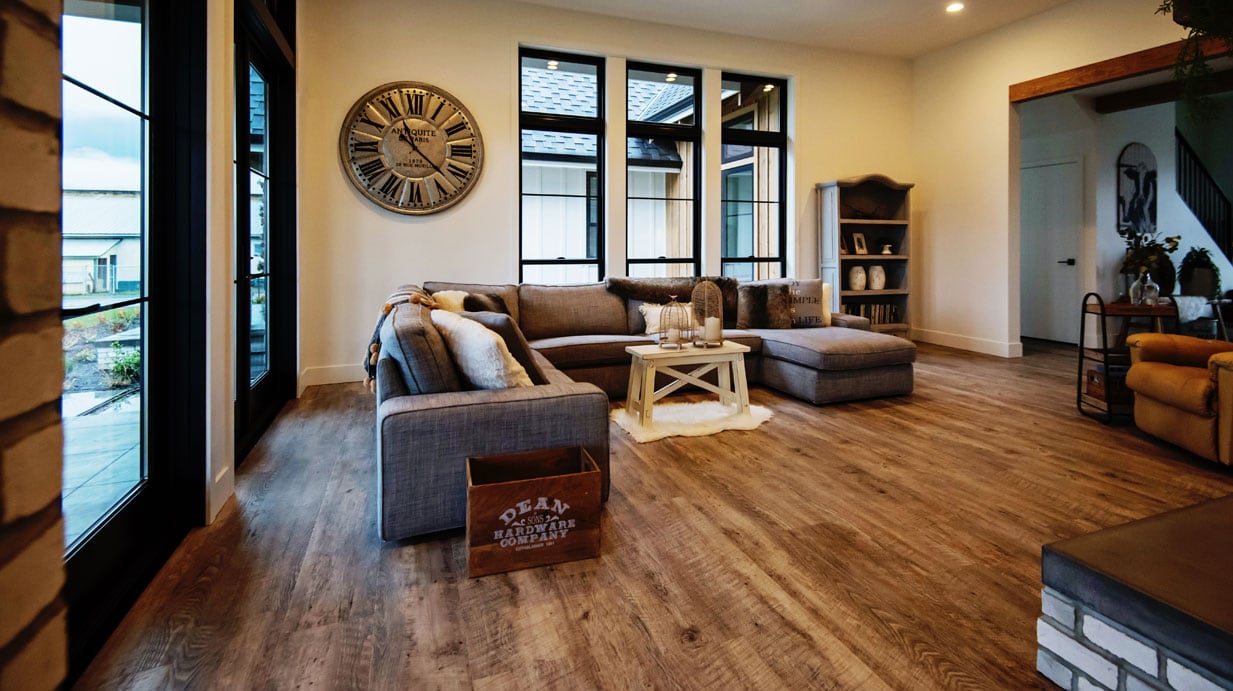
[1198,274]
[1147,252]
[1205,20]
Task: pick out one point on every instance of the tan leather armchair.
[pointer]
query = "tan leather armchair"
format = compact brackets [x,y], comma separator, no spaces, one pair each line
[1184,391]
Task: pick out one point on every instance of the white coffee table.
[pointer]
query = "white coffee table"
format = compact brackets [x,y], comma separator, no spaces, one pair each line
[648,360]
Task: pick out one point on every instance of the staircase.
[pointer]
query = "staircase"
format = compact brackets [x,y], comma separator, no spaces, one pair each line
[1204,197]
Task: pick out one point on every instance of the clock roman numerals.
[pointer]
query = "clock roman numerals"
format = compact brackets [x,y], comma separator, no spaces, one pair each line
[393,106]
[370,169]
[392,184]
[437,111]
[417,193]
[462,151]
[417,103]
[365,147]
[368,120]
[456,128]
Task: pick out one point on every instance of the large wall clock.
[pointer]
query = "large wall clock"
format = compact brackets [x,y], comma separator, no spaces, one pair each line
[411,148]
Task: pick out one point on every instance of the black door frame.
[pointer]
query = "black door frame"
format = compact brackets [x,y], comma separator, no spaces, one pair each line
[260,40]
[107,572]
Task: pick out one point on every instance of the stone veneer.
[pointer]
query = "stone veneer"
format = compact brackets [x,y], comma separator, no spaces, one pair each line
[32,613]
[1078,649]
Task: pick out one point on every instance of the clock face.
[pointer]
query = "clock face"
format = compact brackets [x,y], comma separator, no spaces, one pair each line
[411,148]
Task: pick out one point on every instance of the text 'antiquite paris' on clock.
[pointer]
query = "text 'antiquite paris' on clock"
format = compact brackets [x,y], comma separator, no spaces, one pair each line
[411,147]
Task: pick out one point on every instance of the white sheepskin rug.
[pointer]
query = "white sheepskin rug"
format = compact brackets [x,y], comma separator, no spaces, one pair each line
[690,420]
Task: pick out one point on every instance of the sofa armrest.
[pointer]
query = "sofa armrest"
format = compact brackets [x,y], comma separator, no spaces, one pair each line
[850,321]
[1186,351]
[423,442]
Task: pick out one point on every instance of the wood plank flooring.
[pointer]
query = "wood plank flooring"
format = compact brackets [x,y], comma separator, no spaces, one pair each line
[890,544]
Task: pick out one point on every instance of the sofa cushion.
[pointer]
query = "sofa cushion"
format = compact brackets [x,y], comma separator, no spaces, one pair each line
[551,311]
[588,350]
[484,302]
[835,349]
[481,355]
[508,292]
[764,305]
[652,311]
[659,290]
[410,339]
[1187,388]
[810,300]
[505,327]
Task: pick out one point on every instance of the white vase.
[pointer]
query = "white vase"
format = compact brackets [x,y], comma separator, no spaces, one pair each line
[877,277]
[856,278]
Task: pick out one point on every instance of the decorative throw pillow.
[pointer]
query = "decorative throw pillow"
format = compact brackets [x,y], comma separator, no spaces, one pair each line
[808,304]
[503,325]
[763,305]
[481,302]
[651,312]
[450,299]
[481,355]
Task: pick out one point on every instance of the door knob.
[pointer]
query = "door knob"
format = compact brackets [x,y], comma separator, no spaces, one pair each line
[1067,262]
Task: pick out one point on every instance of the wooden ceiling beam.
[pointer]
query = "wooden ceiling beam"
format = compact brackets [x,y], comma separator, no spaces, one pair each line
[1157,94]
[1130,65]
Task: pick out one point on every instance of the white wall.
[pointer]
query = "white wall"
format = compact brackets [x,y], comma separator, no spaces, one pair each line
[965,145]
[852,116]
[220,343]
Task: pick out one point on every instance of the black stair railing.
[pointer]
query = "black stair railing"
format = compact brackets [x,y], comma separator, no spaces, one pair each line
[1204,197]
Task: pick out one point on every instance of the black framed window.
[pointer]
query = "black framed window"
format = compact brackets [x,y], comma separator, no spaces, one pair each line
[561,186]
[663,170]
[754,176]
[134,175]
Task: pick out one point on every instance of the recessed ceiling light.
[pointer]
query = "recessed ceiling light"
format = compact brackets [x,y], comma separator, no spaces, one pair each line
[769,87]
[954,7]
[552,64]
[670,77]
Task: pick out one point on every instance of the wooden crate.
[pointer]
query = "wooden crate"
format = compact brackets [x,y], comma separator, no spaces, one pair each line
[1097,381]
[530,509]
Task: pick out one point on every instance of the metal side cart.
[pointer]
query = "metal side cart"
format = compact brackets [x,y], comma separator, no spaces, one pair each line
[1101,391]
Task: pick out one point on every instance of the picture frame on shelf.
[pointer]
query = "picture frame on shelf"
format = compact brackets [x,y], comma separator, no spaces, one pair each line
[843,244]
[858,243]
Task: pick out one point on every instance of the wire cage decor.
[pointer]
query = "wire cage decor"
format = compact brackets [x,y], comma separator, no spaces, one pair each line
[708,307]
[675,325]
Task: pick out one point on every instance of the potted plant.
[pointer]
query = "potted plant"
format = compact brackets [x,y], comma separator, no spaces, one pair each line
[1198,274]
[1205,20]
[1148,253]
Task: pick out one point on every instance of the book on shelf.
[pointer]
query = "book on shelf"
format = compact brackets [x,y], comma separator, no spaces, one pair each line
[876,312]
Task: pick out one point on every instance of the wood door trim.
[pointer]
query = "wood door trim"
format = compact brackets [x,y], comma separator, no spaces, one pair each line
[1129,65]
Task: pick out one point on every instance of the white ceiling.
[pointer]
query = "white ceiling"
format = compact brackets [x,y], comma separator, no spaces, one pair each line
[899,28]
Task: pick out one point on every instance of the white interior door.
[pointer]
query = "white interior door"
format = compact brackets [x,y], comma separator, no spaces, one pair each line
[1051,223]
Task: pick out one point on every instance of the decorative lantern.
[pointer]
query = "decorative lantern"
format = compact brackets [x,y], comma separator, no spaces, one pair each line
[675,325]
[708,306]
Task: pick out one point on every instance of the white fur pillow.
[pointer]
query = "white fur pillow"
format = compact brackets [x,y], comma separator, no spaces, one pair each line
[482,357]
[651,311]
[450,299]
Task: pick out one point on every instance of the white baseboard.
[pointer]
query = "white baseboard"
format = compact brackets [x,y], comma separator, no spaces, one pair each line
[332,374]
[976,345]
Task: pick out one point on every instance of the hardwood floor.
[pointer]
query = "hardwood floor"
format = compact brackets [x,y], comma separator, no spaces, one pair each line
[882,544]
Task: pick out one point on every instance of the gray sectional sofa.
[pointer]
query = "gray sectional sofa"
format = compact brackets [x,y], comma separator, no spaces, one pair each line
[427,425]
